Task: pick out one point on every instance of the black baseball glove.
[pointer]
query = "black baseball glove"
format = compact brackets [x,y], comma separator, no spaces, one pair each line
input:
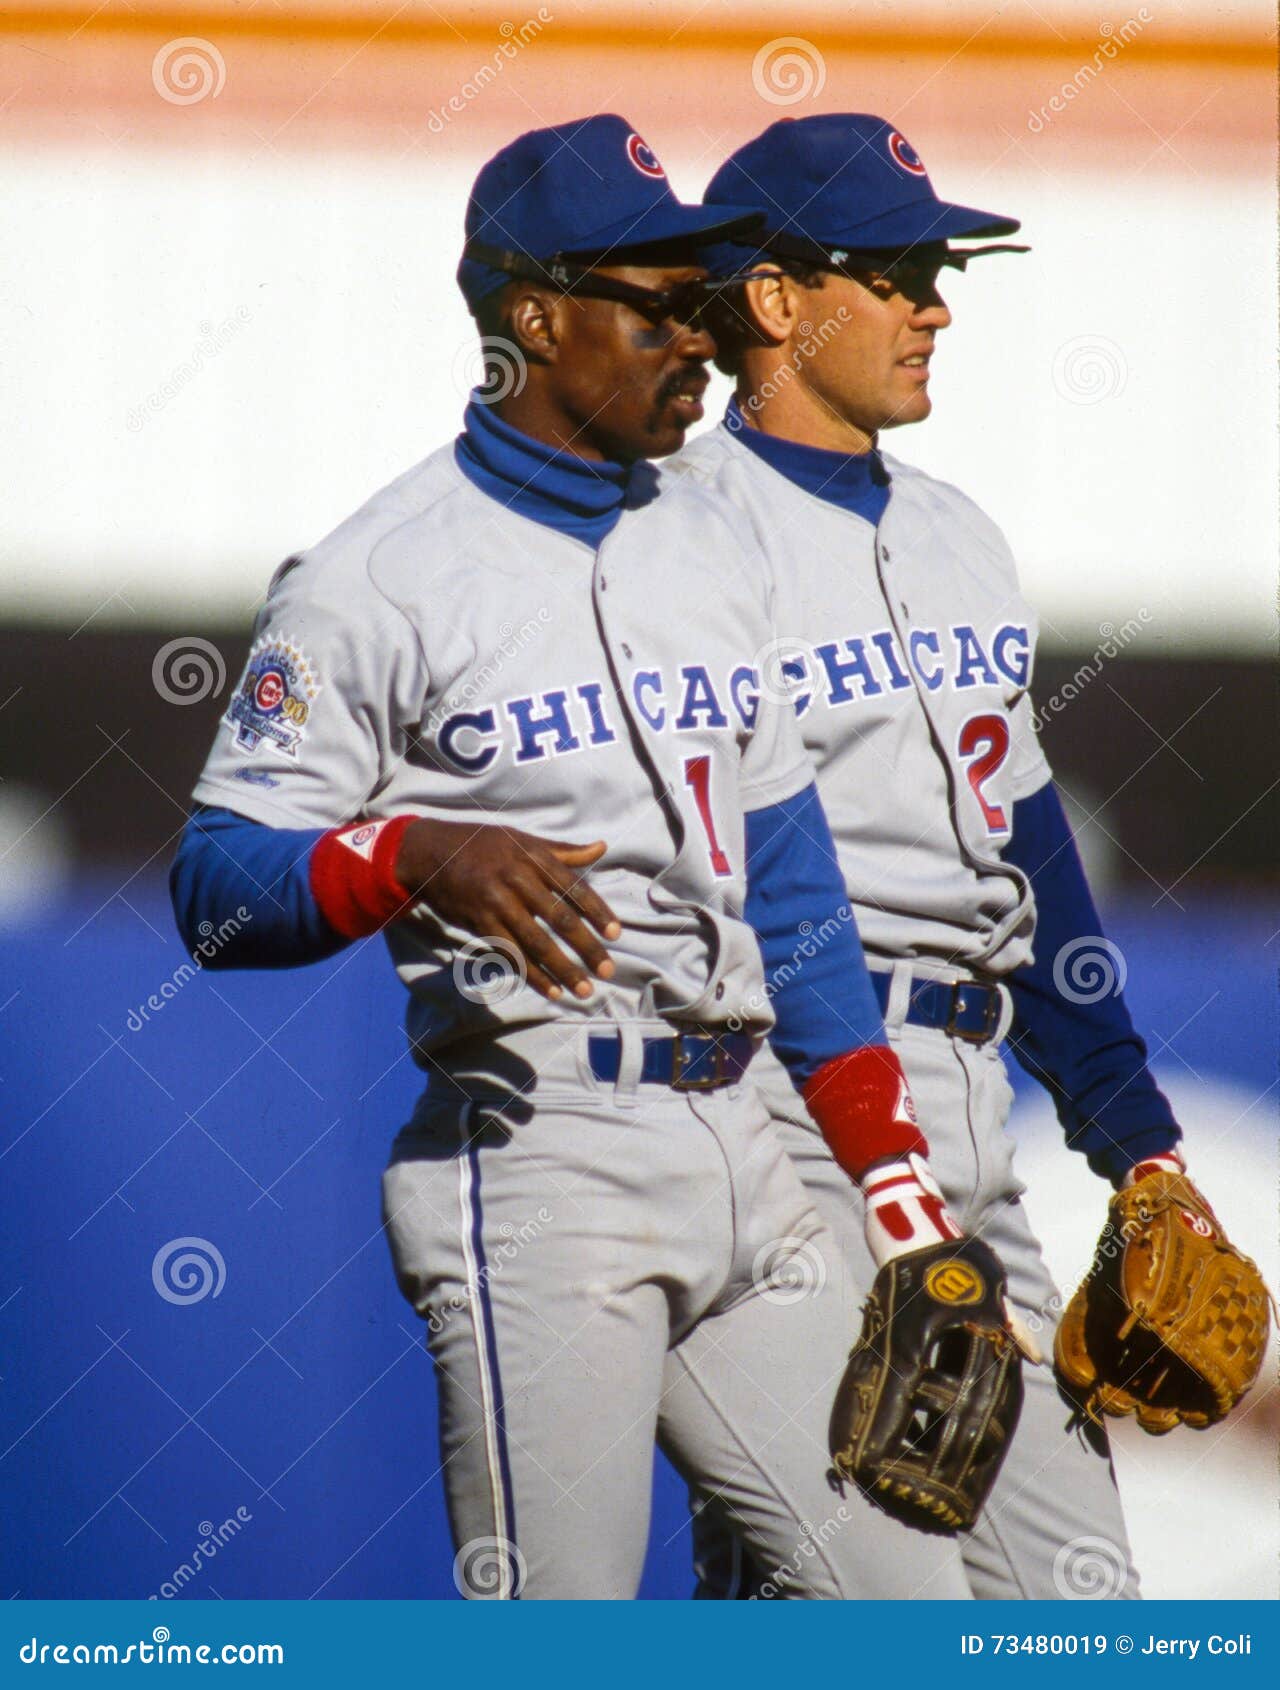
[932,1391]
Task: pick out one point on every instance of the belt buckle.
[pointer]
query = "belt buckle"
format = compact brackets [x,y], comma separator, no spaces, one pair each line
[679,1061]
[990,1018]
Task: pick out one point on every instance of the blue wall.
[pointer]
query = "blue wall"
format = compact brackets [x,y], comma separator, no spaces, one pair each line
[254,1112]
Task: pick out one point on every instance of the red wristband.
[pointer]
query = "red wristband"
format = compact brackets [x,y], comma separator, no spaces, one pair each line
[862,1103]
[353,875]
[1166,1162]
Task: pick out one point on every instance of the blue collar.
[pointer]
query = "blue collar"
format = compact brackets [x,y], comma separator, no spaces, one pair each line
[857,482]
[572,495]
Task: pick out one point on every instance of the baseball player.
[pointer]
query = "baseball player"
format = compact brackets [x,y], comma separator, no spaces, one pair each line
[590,1207]
[908,652]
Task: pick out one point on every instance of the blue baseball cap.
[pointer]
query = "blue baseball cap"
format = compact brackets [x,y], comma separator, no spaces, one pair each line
[591,188]
[843,183]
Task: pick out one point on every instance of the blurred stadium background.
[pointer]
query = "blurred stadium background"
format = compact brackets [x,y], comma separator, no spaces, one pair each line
[228,315]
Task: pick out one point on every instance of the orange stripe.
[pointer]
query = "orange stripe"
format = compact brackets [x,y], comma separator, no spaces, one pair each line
[933,38]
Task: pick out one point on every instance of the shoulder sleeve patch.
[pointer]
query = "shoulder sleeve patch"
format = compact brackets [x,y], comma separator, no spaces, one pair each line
[273,702]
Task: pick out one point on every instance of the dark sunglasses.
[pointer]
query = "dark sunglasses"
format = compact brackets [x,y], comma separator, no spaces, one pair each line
[684,304]
[911,273]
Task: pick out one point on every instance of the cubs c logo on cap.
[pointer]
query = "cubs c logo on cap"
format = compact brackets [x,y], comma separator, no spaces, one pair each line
[905,154]
[643,157]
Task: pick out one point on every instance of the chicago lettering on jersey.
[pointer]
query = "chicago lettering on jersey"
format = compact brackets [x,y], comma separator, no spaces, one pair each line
[559,721]
[867,665]
[534,726]
[860,666]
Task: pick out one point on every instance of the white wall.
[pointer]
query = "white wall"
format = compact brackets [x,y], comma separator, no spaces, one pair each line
[207,364]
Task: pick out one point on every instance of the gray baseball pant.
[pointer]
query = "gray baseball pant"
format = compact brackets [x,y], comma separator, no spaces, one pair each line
[1053,1526]
[591,1256]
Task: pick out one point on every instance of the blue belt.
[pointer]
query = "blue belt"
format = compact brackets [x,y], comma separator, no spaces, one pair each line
[685,1062]
[966,1010]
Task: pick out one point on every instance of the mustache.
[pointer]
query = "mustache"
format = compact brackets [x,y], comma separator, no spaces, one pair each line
[681,382]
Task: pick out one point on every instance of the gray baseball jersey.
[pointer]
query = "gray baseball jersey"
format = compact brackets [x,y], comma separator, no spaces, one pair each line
[440,654]
[569,1240]
[908,650]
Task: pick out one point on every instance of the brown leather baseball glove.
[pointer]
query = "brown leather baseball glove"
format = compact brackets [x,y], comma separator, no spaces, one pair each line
[932,1390]
[1171,1323]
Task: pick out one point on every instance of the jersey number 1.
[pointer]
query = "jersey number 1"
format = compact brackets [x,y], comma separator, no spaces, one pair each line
[985,740]
[697,774]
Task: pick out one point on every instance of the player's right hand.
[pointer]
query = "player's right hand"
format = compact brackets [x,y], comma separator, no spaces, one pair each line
[500,883]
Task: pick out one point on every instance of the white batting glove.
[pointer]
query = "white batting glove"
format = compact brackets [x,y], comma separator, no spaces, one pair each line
[905,1209]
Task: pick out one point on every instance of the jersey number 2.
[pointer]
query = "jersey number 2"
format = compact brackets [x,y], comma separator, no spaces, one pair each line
[697,774]
[985,740]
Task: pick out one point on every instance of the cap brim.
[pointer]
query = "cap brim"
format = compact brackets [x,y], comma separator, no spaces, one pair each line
[664,225]
[913,225]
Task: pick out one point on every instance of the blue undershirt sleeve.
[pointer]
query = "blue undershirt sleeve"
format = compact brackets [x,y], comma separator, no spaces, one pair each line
[242,894]
[1082,1047]
[815,974]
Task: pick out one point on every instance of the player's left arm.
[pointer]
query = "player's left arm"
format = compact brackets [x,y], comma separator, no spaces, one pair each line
[920,1352]
[828,1030]
[1087,1054]
[1081,1045]
[1171,1322]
